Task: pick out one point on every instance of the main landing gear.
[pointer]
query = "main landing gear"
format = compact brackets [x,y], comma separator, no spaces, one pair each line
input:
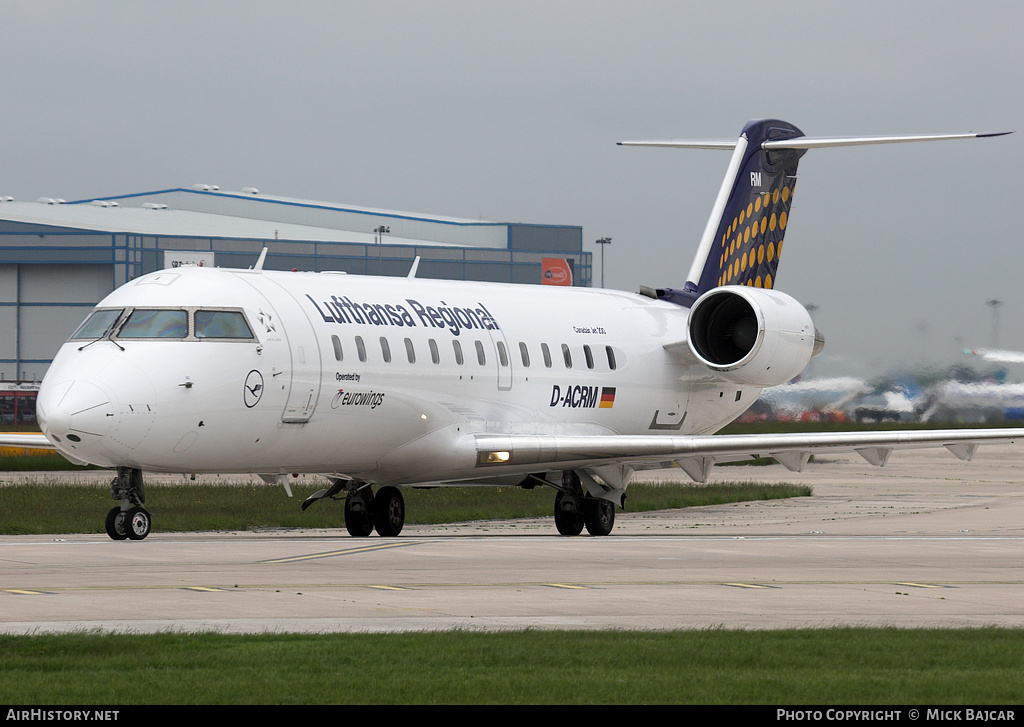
[364,511]
[129,520]
[575,507]
[574,510]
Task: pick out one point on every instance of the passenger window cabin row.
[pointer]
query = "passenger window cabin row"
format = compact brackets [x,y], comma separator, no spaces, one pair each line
[221,324]
[591,361]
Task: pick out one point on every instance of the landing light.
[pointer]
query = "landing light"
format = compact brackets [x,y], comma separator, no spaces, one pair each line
[494,457]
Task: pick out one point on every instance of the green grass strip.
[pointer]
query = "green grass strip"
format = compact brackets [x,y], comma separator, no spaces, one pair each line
[811,667]
[34,509]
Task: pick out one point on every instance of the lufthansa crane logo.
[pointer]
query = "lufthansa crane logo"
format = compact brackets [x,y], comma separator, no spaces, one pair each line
[253,388]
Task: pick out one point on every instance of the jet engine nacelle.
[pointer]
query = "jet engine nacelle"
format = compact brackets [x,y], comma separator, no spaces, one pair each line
[752,336]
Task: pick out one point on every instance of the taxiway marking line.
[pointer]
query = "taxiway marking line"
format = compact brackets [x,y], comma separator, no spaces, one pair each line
[568,586]
[389,588]
[346,551]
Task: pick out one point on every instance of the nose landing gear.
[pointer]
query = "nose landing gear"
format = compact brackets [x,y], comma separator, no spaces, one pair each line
[129,520]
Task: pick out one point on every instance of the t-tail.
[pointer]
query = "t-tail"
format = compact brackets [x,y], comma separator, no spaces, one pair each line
[742,242]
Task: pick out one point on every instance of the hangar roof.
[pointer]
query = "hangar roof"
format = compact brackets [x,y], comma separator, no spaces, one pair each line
[178,223]
[210,212]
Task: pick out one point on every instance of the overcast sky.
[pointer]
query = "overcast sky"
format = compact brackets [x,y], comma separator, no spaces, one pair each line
[509,111]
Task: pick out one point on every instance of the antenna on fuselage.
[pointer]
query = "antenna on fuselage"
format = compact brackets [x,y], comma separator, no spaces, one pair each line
[414,268]
[259,263]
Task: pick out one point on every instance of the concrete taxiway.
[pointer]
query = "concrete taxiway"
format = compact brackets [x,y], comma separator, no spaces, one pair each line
[925,541]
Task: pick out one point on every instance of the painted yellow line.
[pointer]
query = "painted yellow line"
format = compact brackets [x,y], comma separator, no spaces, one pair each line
[390,588]
[347,551]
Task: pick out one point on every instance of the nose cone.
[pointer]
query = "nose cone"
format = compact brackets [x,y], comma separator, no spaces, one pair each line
[74,415]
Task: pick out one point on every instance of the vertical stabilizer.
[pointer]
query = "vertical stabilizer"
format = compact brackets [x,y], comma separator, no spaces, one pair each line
[743,239]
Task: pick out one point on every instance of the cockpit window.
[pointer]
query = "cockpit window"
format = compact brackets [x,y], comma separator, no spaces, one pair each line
[221,324]
[97,325]
[149,323]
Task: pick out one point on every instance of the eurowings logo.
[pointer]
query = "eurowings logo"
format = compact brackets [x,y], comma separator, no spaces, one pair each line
[372,399]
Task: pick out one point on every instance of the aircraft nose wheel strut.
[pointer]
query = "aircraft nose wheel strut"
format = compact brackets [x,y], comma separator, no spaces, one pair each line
[130,520]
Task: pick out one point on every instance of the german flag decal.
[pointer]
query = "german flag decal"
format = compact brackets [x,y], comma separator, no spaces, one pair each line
[607,397]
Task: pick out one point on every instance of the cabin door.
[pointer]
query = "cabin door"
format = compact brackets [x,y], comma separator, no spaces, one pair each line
[290,322]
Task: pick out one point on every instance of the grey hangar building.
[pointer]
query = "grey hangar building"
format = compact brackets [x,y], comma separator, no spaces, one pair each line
[58,259]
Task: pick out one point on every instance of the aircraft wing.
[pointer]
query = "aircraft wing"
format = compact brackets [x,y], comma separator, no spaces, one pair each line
[30,441]
[1001,356]
[697,454]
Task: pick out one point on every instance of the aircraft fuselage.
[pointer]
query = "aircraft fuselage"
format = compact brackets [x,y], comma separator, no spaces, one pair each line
[382,379]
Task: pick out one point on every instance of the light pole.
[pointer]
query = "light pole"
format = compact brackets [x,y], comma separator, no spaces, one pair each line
[602,242]
[381,231]
[994,305]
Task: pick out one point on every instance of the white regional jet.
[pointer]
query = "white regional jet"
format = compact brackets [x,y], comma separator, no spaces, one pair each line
[382,383]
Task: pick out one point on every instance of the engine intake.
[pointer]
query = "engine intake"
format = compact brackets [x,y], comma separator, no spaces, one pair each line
[752,336]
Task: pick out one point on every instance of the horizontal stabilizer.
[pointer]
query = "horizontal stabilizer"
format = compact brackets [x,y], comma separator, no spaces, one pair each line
[822,142]
[808,142]
[721,144]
